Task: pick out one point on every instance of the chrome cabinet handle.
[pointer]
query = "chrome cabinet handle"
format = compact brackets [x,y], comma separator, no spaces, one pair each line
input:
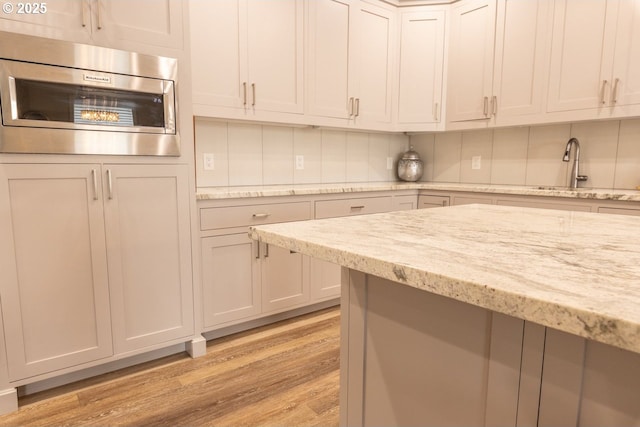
[244,93]
[109,184]
[351,106]
[357,207]
[494,105]
[84,11]
[258,250]
[435,111]
[260,215]
[615,91]
[94,179]
[253,94]
[604,85]
[99,3]
[357,107]
[266,250]
[485,107]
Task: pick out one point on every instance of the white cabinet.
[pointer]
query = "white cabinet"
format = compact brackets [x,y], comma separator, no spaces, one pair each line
[595,62]
[469,88]
[247,56]
[350,52]
[522,47]
[113,23]
[499,60]
[147,222]
[244,279]
[421,67]
[95,260]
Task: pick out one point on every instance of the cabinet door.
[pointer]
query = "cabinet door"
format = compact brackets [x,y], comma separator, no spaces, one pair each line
[53,268]
[326,278]
[149,253]
[218,52]
[62,19]
[230,278]
[275,55]
[374,64]
[580,70]
[121,23]
[626,66]
[421,65]
[471,60]
[330,24]
[521,58]
[285,279]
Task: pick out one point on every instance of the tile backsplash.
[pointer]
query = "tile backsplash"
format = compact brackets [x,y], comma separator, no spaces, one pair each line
[609,155]
[257,154]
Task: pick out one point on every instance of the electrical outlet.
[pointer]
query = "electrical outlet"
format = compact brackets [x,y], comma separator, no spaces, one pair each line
[208,159]
[299,162]
[389,163]
[476,162]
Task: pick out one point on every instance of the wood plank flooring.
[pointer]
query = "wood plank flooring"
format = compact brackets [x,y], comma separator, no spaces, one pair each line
[285,374]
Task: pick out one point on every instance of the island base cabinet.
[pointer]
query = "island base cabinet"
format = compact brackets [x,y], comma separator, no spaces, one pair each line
[410,357]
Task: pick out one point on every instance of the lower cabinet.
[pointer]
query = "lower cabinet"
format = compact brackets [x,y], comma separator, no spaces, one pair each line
[94,261]
[243,279]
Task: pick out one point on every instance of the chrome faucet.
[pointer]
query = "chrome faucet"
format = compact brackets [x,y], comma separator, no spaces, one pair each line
[575,174]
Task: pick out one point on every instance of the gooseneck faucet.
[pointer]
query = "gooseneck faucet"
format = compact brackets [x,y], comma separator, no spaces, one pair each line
[575,173]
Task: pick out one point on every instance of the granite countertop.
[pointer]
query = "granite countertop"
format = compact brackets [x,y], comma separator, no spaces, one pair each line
[574,271]
[212,193]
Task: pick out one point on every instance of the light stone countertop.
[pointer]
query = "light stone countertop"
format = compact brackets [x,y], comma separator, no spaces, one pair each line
[574,271]
[213,193]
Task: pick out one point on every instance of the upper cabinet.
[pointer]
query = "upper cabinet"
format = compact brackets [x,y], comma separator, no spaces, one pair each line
[350,61]
[498,61]
[421,68]
[247,57]
[471,60]
[141,25]
[595,61]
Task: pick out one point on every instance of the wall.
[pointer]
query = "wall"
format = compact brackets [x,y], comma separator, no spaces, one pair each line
[609,155]
[256,154]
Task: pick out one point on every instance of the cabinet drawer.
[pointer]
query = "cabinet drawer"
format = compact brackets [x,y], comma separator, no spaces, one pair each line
[347,207]
[241,216]
[425,201]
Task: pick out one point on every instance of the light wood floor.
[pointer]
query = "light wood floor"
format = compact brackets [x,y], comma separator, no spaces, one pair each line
[285,374]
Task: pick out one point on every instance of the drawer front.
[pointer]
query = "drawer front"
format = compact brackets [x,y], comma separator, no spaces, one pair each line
[242,216]
[348,207]
[425,201]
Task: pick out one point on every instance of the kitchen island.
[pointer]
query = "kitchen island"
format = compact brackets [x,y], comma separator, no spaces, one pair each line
[483,315]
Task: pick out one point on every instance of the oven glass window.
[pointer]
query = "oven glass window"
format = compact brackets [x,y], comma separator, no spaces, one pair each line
[60,102]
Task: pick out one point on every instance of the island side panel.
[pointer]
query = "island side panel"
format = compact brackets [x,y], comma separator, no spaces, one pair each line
[421,359]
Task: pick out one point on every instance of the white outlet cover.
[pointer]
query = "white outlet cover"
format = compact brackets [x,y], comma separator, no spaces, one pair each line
[208,161]
[476,162]
[299,162]
[389,163]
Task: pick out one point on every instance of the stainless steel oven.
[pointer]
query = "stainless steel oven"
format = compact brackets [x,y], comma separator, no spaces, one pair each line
[65,98]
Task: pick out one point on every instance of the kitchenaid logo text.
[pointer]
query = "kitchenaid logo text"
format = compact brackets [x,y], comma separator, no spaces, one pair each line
[96,79]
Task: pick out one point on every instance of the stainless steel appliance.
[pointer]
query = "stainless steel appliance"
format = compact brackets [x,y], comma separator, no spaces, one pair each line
[66,98]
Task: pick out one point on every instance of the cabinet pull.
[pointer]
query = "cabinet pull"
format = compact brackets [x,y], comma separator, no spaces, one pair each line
[84,11]
[357,107]
[253,94]
[351,106]
[244,93]
[109,184]
[435,111]
[260,215]
[485,106]
[353,208]
[604,85]
[258,249]
[615,91]
[94,179]
[494,105]
[98,4]
[266,250]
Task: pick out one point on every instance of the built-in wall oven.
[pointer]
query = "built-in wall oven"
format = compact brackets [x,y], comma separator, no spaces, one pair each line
[65,98]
